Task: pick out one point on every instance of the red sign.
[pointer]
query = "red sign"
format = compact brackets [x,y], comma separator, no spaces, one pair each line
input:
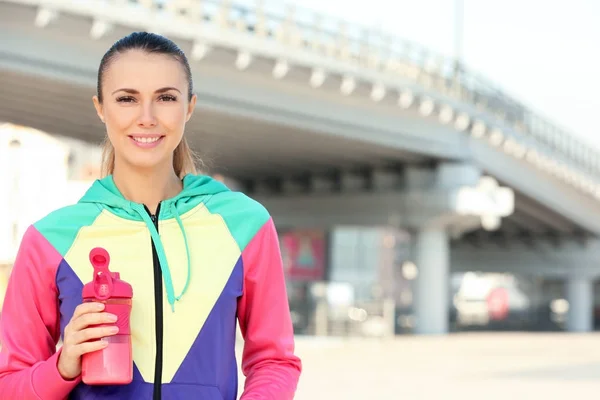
[303,254]
[498,304]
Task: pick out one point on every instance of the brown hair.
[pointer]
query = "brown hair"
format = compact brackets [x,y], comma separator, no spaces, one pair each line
[184,159]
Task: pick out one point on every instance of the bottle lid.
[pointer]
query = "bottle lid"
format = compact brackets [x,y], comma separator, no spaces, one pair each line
[105,284]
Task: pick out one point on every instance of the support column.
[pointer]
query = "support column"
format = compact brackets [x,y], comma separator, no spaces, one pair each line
[580,295]
[432,258]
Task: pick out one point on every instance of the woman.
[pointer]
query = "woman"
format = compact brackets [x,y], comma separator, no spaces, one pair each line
[197,255]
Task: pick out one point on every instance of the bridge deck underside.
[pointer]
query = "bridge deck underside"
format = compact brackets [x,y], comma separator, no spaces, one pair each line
[237,146]
[531,222]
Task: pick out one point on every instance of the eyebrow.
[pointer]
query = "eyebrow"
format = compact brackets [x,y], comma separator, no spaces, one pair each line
[133,91]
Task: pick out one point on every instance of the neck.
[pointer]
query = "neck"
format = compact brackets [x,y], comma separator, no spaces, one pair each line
[148,187]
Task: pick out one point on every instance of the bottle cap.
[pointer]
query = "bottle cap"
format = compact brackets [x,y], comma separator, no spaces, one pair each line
[105,284]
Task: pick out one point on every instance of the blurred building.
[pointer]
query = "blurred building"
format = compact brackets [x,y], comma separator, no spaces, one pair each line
[346,280]
[41,173]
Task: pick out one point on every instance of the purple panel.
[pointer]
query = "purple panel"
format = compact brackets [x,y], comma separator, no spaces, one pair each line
[135,390]
[211,359]
[69,293]
[138,390]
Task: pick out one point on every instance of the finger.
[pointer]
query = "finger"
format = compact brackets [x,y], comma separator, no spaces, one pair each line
[85,308]
[93,333]
[80,310]
[92,319]
[89,347]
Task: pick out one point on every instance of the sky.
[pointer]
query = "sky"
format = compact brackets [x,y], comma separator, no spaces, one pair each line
[544,53]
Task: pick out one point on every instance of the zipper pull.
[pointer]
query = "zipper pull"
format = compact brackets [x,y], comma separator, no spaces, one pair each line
[153,218]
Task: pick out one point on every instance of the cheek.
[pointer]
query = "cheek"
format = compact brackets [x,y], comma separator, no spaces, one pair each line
[119,119]
[173,119]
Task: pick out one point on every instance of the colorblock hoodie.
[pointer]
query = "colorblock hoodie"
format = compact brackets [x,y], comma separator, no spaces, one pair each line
[209,257]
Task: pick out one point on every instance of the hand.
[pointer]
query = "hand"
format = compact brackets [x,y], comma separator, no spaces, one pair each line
[79,339]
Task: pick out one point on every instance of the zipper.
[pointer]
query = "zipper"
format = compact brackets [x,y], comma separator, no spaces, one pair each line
[158,311]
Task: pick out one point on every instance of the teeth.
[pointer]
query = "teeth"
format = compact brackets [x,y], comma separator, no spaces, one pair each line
[146,139]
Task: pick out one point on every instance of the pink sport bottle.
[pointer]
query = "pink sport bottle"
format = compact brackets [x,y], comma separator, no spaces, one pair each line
[112,365]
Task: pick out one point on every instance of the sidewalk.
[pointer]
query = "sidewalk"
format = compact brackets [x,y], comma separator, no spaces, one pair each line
[480,366]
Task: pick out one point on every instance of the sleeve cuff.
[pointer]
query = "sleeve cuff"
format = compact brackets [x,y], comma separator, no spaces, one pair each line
[48,383]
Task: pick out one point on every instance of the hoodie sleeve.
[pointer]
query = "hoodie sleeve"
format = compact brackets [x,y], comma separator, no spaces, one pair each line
[29,325]
[272,370]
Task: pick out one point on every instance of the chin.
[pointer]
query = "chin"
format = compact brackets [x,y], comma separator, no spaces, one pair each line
[148,163]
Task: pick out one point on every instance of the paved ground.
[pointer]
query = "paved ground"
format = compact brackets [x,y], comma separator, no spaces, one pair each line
[476,366]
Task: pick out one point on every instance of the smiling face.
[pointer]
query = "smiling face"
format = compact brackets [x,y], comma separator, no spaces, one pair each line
[145,108]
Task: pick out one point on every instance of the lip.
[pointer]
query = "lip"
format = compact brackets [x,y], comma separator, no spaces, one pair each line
[146,145]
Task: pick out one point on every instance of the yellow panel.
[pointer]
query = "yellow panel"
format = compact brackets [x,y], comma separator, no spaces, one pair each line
[130,249]
[214,253]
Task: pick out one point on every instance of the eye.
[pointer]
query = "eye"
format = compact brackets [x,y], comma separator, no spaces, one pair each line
[168,97]
[125,99]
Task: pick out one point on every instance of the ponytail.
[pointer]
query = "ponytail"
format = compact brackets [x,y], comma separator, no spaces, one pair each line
[184,159]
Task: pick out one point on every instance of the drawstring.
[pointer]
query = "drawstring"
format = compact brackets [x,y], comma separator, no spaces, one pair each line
[160,251]
[187,250]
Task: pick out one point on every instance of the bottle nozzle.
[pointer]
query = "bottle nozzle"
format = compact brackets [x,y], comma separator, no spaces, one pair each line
[99,258]
[103,281]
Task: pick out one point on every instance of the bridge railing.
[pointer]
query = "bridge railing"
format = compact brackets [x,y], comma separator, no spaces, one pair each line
[371,49]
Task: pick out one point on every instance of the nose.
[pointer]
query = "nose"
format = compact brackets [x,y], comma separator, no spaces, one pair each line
[147,117]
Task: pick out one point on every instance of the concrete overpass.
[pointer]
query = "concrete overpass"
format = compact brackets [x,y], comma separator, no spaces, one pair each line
[341,126]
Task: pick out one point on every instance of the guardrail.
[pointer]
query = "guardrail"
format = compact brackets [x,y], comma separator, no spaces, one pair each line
[367,54]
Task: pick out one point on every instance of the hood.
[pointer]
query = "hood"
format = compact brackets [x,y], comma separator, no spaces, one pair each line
[105,193]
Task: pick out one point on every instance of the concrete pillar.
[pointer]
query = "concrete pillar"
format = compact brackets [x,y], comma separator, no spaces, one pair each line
[580,295]
[432,258]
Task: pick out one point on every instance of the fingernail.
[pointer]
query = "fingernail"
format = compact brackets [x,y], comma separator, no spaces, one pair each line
[100,306]
[114,329]
[112,318]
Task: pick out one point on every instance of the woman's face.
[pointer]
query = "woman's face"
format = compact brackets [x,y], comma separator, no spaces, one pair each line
[145,108]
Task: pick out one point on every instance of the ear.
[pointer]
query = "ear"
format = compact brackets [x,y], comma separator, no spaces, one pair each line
[191,107]
[98,107]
